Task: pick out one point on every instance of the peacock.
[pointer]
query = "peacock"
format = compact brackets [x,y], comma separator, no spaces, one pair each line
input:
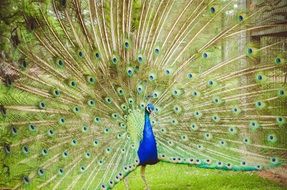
[92,89]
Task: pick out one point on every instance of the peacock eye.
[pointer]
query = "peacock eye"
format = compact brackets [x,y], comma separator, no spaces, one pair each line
[14,130]
[189,75]
[127,45]
[278,60]
[205,55]
[76,109]
[271,138]
[210,82]
[81,54]
[259,167]
[97,55]
[61,171]
[167,71]
[82,168]
[114,60]
[25,149]
[73,83]
[281,92]
[32,127]
[140,59]
[42,105]
[41,172]
[26,180]
[90,79]
[65,154]
[61,121]
[74,142]
[91,103]
[23,64]
[44,152]
[212,10]
[56,92]
[157,50]
[85,128]
[7,149]
[61,62]
[274,161]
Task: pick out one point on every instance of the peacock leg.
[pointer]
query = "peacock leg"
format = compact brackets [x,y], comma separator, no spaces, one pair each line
[143,177]
[126,183]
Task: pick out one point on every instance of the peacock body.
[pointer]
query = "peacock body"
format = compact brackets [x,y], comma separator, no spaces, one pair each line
[147,151]
[80,79]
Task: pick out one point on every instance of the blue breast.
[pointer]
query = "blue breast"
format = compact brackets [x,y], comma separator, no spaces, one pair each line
[147,151]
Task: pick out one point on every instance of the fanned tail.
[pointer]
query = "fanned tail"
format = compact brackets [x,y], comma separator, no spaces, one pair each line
[76,77]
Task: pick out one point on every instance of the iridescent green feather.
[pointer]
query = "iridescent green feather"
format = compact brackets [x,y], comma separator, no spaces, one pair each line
[135,126]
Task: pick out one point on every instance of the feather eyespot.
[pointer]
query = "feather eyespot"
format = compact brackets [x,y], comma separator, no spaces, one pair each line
[97,55]
[205,55]
[65,154]
[41,172]
[127,45]
[74,142]
[42,105]
[56,92]
[240,18]
[61,171]
[23,64]
[212,10]
[44,152]
[7,148]
[91,79]
[50,132]
[61,121]
[114,60]
[243,163]
[81,54]
[140,59]
[91,103]
[189,76]
[25,149]
[14,131]
[278,60]
[97,120]
[156,50]
[32,127]
[26,180]
[82,168]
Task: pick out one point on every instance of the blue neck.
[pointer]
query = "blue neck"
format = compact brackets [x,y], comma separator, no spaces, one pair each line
[147,126]
[147,151]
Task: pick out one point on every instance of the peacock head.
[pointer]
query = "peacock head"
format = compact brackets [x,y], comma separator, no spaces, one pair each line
[149,108]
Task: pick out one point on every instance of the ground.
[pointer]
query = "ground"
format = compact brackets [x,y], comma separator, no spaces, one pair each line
[164,176]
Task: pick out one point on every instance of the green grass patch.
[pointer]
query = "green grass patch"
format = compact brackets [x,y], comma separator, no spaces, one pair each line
[165,176]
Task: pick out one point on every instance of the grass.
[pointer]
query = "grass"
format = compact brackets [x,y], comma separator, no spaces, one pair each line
[164,176]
